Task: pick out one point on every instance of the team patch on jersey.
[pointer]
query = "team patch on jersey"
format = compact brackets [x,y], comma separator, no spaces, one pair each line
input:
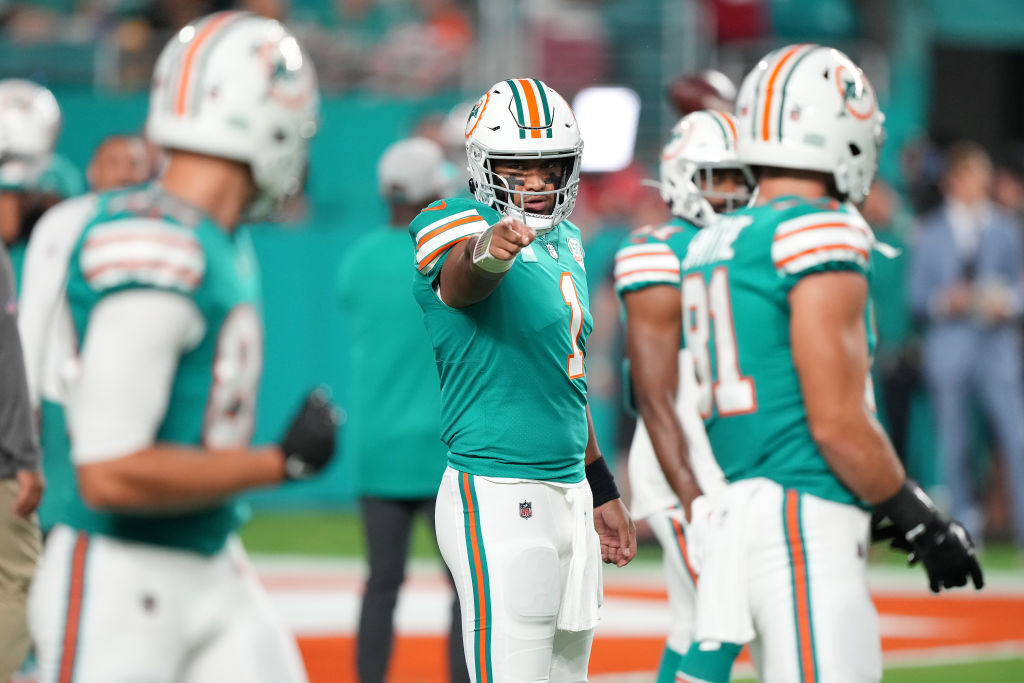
[142,251]
[441,235]
[809,241]
[577,251]
[526,509]
[650,263]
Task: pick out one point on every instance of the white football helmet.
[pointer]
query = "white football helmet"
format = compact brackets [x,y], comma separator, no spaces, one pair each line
[810,107]
[30,122]
[239,86]
[522,119]
[700,144]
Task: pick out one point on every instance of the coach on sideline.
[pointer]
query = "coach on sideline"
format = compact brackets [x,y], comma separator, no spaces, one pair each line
[393,398]
[21,483]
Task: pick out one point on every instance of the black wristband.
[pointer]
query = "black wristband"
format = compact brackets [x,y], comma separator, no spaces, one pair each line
[910,510]
[602,484]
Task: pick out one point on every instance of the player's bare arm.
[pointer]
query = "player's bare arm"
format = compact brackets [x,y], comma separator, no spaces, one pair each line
[653,327]
[830,353]
[611,519]
[476,266]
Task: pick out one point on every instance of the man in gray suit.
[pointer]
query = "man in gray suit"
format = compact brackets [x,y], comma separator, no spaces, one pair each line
[966,284]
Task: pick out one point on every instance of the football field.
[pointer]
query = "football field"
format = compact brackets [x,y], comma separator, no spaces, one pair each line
[311,565]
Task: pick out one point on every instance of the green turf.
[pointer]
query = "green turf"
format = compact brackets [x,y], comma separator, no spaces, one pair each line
[339,534]
[1003,671]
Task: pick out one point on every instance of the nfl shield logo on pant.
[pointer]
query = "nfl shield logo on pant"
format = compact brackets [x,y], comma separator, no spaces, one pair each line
[526,509]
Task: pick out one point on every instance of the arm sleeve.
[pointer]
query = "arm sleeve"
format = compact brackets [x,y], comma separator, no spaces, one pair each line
[19,442]
[821,241]
[128,361]
[42,280]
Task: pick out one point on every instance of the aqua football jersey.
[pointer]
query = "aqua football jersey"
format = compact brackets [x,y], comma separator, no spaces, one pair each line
[143,238]
[650,256]
[513,381]
[736,321]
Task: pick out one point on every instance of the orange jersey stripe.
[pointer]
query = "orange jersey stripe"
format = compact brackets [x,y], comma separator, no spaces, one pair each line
[189,275]
[479,575]
[442,205]
[430,257]
[189,59]
[531,105]
[647,270]
[827,247]
[74,613]
[437,231]
[769,91]
[180,242]
[800,590]
[818,226]
[623,257]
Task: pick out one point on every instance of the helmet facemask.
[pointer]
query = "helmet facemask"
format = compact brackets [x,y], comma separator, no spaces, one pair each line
[494,189]
[697,200]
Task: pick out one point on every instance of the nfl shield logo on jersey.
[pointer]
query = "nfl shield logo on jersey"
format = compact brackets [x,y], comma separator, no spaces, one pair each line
[526,509]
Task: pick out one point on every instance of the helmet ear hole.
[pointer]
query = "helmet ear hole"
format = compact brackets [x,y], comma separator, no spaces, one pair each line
[854,149]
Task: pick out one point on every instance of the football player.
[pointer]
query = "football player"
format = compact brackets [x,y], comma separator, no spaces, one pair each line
[700,178]
[504,296]
[143,576]
[775,311]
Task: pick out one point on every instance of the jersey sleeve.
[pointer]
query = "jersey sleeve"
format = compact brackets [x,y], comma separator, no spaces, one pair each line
[440,227]
[824,240]
[142,253]
[644,260]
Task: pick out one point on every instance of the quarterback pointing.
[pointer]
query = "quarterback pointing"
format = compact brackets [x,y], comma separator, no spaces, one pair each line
[143,577]
[670,461]
[504,296]
[776,314]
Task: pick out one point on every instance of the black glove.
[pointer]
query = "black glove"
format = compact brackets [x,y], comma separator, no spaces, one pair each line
[308,445]
[941,545]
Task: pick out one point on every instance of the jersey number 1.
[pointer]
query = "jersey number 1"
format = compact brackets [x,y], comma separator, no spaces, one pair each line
[572,300]
[708,308]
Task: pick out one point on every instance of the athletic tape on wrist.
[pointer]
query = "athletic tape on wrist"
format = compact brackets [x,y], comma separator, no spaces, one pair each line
[602,483]
[482,257]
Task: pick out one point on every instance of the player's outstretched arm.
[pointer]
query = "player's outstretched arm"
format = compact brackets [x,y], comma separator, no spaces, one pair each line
[475,267]
[612,522]
[653,328]
[830,352]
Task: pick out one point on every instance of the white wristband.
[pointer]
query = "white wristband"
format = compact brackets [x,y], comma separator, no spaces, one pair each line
[484,260]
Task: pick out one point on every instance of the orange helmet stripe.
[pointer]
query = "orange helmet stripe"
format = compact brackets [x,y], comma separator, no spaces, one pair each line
[531,106]
[769,92]
[181,101]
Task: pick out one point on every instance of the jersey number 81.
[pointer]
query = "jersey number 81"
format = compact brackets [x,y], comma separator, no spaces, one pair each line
[707,309]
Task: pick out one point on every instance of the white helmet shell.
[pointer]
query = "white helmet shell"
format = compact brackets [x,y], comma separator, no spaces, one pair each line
[522,119]
[30,122]
[810,107]
[239,86]
[699,144]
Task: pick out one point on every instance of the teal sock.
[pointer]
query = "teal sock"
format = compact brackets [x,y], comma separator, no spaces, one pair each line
[709,662]
[669,663]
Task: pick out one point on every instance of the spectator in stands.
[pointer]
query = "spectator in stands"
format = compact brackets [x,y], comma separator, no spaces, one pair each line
[394,398]
[119,160]
[967,286]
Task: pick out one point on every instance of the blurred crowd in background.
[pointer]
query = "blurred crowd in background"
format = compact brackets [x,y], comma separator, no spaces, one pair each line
[952,173]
